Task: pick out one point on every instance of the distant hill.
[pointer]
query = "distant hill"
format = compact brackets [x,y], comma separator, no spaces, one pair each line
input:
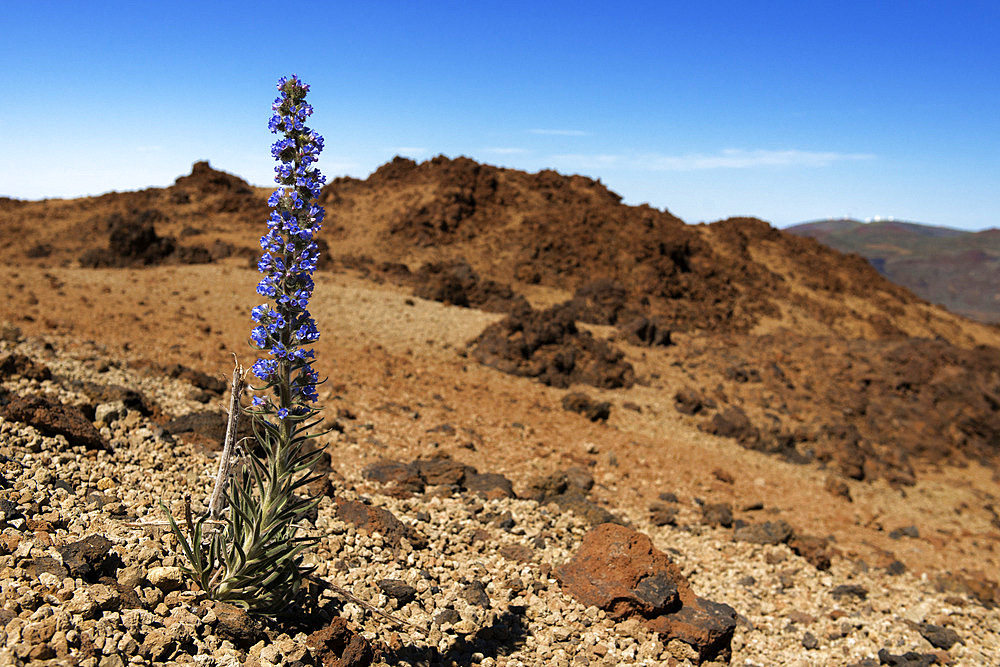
[953,268]
[776,340]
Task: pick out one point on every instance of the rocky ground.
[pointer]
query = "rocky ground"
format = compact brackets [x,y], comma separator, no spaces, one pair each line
[475,574]
[563,431]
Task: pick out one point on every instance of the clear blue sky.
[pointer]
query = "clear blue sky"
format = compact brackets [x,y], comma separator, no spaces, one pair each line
[788,111]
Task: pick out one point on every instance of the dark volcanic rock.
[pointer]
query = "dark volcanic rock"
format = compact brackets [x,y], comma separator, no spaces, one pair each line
[90,558]
[718,514]
[646,331]
[235,624]
[208,427]
[572,480]
[397,589]
[132,241]
[53,418]
[216,385]
[688,401]
[568,489]
[908,659]
[938,636]
[442,470]
[619,570]
[578,401]
[865,409]
[405,479]
[816,550]
[732,422]
[489,485]
[474,592]
[768,532]
[603,301]
[576,502]
[548,346]
[706,626]
[850,591]
[663,515]
[132,399]
[456,283]
[19,364]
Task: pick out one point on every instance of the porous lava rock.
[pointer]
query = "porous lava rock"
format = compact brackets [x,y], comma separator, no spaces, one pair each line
[214,384]
[457,283]
[733,422]
[336,645]
[378,520]
[90,558]
[234,624]
[603,301]
[595,411]
[24,366]
[206,428]
[642,330]
[844,403]
[51,417]
[568,489]
[769,532]
[406,479]
[618,569]
[547,345]
[132,241]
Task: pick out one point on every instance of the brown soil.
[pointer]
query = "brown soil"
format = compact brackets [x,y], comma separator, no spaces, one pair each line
[847,380]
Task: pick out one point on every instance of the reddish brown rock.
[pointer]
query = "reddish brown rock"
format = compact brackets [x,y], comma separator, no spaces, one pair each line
[769,532]
[619,570]
[816,550]
[377,520]
[337,645]
[688,401]
[234,624]
[53,418]
[442,470]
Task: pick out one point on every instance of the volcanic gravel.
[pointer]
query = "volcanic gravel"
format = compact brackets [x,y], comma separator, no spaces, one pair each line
[475,584]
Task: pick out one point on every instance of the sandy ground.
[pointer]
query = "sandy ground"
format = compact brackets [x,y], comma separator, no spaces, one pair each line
[397,362]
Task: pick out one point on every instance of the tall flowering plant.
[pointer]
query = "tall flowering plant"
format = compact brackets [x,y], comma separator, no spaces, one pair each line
[254,558]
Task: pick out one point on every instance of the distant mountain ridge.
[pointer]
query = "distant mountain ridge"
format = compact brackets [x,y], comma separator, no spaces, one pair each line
[957,269]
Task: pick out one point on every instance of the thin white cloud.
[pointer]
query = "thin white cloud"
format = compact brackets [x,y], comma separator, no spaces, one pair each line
[561,133]
[502,150]
[412,151]
[732,158]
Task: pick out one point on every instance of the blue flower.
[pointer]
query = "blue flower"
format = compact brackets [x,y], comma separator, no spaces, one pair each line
[290,252]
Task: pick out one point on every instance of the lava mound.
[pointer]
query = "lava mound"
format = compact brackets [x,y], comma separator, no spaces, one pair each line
[868,409]
[547,345]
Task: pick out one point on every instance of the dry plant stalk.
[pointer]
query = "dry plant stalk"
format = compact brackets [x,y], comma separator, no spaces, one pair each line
[217,501]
